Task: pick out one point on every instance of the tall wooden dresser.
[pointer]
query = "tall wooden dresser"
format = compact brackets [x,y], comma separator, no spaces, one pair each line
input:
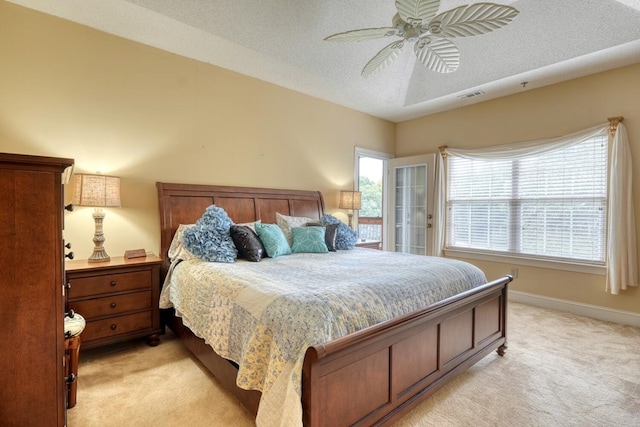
[32,383]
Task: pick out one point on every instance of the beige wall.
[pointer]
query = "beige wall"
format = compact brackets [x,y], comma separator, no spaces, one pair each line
[540,113]
[146,115]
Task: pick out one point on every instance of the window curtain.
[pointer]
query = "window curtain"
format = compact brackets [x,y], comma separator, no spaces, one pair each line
[621,247]
[439,207]
[622,258]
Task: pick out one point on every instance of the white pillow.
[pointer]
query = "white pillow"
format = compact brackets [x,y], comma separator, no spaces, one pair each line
[177,249]
[286,223]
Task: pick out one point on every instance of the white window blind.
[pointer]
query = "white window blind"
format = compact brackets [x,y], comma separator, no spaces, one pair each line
[550,205]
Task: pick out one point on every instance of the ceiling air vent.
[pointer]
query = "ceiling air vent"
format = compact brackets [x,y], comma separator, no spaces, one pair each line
[471,95]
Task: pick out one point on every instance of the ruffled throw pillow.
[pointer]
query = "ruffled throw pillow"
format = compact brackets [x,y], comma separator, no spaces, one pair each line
[209,239]
[346,237]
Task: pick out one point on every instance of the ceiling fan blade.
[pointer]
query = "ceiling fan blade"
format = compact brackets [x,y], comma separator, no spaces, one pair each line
[472,20]
[363,34]
[417,11]
[383,58]
[439,55]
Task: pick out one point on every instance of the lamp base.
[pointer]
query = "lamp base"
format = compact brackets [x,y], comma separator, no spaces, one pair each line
[99,254]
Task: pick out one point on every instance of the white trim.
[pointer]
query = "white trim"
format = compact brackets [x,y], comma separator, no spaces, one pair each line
[600,270]
[365,152]
[587,310]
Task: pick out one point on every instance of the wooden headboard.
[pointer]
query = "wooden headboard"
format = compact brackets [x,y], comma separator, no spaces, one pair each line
[185,203]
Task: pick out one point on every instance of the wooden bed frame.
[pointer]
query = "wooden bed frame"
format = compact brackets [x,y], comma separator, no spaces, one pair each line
[371,377]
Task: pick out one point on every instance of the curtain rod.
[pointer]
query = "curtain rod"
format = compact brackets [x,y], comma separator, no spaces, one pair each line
[613,124]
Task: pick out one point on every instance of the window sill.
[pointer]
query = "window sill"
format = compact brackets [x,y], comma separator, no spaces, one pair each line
[532,262]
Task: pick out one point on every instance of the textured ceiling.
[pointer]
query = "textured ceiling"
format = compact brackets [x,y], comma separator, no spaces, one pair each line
[281,41]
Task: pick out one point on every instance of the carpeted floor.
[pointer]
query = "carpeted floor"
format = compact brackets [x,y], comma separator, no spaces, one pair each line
[560,370]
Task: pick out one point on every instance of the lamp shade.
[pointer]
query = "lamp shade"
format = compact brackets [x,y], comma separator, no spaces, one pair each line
[96,190]
[350,200]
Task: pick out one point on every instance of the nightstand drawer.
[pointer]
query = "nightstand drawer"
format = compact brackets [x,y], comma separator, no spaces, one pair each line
[109,283]
[112,305]
[117,325]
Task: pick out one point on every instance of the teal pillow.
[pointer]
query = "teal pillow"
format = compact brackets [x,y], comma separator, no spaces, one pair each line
[273,239]
[309,240]
[330,235]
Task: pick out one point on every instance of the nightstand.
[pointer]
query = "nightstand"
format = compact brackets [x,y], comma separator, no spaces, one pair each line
[117,298]
[371,244]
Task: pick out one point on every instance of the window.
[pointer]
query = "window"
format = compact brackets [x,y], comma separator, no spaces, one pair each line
[548,205]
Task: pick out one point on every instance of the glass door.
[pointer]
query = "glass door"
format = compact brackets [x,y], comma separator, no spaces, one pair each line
[371,177]
[411,210]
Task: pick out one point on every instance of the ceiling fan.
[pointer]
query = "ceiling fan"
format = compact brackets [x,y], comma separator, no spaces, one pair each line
[416,21]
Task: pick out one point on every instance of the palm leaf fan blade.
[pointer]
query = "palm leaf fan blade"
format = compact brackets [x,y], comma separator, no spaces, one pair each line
[417,10]
[439,55]
[383,58]
[363,34]
[473,20]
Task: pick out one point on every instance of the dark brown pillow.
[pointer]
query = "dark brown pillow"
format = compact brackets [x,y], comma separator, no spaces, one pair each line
[330,234]
[247,242]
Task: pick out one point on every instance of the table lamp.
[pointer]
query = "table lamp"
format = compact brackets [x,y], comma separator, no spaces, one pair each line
[98,191]
[351,200]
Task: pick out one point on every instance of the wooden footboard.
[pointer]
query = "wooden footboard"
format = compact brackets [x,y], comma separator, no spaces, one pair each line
[374,376]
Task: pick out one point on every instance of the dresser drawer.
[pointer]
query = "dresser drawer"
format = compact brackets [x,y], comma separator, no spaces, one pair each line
[112,305]
[116,325]
[109,283]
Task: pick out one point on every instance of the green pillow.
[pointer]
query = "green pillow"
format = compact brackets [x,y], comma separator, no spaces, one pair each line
[273,239]
[308,240]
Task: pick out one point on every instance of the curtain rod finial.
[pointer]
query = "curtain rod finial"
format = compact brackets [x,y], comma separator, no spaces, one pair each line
[442,149]
[613,124]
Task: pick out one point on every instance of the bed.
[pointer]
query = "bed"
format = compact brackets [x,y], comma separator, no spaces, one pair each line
[369,377]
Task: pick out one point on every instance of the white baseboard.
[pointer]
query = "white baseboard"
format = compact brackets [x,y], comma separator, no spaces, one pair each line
[587,310]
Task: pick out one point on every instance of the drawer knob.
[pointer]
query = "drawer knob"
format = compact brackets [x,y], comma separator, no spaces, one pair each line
[69,255]
[113,283]
[69,207]
[112,305]
[71,378]
[113,327]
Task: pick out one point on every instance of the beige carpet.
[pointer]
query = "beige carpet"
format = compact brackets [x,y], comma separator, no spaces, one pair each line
[560,370]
